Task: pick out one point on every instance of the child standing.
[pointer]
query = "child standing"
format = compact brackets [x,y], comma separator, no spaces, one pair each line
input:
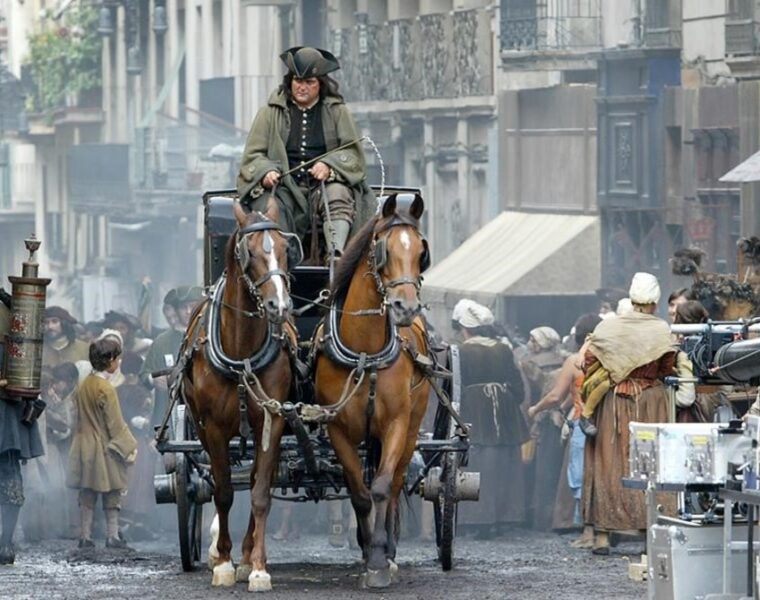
[102,447]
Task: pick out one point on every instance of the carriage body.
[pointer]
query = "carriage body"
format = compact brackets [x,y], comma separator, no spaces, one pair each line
[188,483]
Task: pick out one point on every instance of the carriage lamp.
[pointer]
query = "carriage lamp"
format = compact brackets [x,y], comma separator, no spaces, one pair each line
[23,344]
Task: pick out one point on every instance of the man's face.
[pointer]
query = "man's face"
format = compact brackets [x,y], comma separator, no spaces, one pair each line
[673,306]
[170,314]
[184,311]
[604,308]
[305,91]
[52,328]
[62,387]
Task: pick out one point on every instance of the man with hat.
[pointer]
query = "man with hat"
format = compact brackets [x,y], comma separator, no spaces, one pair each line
[608,301]
[128,326]
[492,389]
[163,352]
[305,118]
[60,344]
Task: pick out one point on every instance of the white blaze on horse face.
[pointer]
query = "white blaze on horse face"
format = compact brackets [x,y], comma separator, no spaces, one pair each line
[406,241]
[277,280]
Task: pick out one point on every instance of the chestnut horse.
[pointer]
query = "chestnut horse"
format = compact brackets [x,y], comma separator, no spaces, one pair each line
[375,318]
[251,305]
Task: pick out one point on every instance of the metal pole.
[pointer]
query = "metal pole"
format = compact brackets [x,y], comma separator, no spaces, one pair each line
[728,507]
[750,549]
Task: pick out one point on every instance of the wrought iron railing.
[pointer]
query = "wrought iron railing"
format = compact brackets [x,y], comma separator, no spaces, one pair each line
[742,27]
[661,28]
[443,55]
[550,25]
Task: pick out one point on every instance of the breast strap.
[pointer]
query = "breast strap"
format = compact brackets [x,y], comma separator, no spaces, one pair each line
[230,367]
[341,355]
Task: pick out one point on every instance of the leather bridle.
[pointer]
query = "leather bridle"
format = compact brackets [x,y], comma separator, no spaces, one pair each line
[243,258]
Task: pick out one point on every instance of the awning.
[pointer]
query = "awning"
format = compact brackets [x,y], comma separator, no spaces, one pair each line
[745,172]
[522,254]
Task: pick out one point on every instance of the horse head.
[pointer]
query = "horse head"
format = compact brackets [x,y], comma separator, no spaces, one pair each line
[399,255]
[264,255]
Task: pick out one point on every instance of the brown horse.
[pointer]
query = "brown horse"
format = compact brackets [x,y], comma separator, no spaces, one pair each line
[246,318]
[376,306]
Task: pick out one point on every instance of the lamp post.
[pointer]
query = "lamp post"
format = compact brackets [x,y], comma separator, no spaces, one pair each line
[131,27]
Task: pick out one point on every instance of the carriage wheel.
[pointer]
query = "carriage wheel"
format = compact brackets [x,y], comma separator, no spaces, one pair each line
[446,512]
[189,517]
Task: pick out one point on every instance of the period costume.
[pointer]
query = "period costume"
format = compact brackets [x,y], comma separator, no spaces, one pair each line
[18,441]
[100,451]
[492,390]
[541,368]
[636,351]
[285,135]
[66,348]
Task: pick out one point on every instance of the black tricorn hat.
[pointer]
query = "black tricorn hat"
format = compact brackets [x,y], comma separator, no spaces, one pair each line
[304,62]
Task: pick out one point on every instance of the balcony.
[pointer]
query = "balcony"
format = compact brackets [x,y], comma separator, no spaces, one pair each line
[416,59]
[662,24]
[550,34]
[741,28]
[742,38]
[99,178]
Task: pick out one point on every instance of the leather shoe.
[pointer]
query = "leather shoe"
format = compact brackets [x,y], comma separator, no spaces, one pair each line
[7,554]
[587,427]
[85,543]
[117,544]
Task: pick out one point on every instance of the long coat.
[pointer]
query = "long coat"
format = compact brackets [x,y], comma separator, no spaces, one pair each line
[102,441]
[492,389]
[265,150]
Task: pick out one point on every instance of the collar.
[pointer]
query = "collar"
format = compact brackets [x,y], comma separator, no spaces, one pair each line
[307,108]
[481,340]
[60,343]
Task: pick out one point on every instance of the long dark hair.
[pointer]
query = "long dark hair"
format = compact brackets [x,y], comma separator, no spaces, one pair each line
[327,86]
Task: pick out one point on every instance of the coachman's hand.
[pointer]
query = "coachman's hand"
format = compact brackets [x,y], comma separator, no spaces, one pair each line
[270,179]
[320,171]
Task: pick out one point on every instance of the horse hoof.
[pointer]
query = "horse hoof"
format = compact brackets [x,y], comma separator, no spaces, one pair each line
[393,568]
[259,581]
[243,572]
[380,578]
[224,575]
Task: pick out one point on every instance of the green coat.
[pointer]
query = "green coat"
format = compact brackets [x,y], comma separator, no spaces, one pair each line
[265,151]
[102,442]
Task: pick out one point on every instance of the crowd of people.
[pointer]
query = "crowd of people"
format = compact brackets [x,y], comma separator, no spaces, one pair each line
[96,434]
[550,416]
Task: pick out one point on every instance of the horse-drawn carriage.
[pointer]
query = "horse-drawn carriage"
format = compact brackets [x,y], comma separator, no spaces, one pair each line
[307,466]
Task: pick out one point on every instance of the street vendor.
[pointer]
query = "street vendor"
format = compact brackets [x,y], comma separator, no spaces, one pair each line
[303,119]
[19,441]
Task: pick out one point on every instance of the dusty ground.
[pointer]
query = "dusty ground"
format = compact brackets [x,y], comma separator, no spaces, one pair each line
[523,564]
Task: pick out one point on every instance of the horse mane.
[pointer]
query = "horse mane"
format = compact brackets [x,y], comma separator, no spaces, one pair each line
[229,251]
[349,261]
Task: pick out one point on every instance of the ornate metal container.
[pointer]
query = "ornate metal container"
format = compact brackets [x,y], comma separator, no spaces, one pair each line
[23,343]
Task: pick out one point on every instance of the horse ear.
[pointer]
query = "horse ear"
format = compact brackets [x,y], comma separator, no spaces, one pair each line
[240,215]
[389,206]
[417,207]
[273,209]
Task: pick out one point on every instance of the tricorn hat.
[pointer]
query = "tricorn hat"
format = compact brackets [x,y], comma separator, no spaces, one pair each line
[304,62]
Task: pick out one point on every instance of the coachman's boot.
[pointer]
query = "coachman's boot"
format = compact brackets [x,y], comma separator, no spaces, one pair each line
[337,235]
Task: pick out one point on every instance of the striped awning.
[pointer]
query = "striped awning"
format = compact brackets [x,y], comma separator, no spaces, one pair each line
[523,254]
